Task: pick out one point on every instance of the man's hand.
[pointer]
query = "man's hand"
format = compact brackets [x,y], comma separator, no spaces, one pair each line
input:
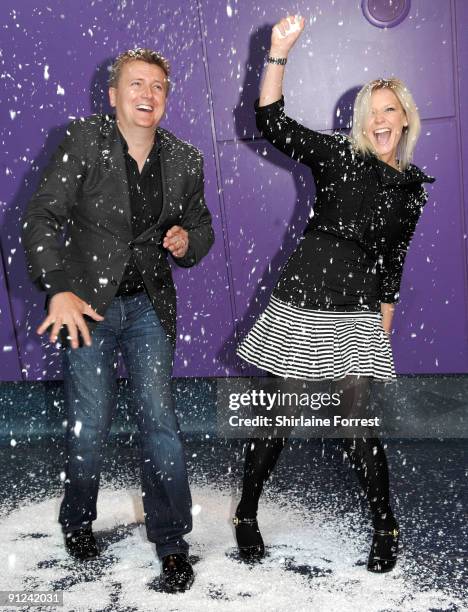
[66,308]
[176,241]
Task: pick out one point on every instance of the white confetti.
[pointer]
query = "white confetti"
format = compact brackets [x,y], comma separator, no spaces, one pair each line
[196,509]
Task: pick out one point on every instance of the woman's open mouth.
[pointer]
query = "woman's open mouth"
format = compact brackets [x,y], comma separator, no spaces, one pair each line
[382,136]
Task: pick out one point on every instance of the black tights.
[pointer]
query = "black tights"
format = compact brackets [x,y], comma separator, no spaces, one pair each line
[366,455]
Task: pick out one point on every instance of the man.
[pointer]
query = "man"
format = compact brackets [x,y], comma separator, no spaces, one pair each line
[130,192]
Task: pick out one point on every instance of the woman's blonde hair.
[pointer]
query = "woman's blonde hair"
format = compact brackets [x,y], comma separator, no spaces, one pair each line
[362,107]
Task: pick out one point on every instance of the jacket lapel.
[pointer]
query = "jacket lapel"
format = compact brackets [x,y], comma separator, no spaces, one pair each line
[166,170]
[118,167]
[116,163]
[156,231]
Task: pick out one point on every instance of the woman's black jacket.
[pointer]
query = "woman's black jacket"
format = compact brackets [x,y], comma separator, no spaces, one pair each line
[357,197]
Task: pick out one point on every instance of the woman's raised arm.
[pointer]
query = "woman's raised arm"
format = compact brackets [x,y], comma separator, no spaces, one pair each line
[287,135]
[283,37]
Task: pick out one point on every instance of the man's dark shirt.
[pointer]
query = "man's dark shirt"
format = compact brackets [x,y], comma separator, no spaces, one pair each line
[145,191]
[145,204]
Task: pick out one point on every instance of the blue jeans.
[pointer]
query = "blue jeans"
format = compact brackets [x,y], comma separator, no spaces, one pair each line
[132,325]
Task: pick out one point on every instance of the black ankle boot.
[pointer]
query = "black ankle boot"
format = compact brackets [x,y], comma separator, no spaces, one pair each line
[177,573]
[249,539]
[81,544]
[384,550]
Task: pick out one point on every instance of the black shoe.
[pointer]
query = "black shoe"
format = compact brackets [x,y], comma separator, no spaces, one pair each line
[384,550]
[177,573]
[81,544]
[249,539]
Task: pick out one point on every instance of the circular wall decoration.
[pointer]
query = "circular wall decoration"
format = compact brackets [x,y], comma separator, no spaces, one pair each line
[385,13]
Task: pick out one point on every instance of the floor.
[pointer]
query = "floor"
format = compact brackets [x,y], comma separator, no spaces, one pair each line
[314,522]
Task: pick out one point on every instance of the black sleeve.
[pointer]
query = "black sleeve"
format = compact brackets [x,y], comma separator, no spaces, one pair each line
[295,140]
[391,265]
[197,221]
[53,282]
[50,207]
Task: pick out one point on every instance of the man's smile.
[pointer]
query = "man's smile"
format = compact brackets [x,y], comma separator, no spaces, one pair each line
[147,108]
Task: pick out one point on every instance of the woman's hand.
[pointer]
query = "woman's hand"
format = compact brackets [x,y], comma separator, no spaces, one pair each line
[284,35]
[387,311]
[282,39]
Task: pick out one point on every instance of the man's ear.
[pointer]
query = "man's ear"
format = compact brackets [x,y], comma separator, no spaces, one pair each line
[112,96]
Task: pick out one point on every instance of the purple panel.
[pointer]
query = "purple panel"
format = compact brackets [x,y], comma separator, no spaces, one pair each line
[431,331]
[338,51]
[55,69]
[11,369]
[264,223]
[461,74]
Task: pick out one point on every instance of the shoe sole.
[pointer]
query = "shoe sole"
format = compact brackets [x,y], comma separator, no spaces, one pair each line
[78,558]
[246,556]
[173,589]
[380,571]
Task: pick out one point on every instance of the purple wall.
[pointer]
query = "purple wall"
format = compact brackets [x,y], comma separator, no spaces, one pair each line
[258,198]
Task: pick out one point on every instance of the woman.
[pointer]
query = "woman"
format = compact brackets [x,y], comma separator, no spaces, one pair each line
[330,314]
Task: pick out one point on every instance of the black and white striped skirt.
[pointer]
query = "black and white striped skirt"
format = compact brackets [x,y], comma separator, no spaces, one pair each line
[309,344]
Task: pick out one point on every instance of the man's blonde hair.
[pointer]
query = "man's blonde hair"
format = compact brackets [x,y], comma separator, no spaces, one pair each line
[143,55]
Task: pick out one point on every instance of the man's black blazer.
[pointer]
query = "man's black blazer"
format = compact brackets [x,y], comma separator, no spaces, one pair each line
[85,188]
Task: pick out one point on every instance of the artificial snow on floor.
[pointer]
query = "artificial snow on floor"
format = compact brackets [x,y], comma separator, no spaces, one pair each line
[314,562]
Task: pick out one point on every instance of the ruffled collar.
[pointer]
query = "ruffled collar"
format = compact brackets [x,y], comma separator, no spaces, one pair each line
[390,176]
